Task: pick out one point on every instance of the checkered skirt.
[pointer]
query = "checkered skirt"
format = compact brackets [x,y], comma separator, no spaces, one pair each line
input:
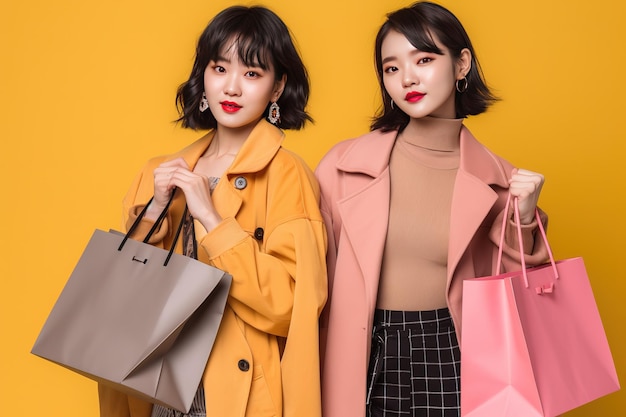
[414,365]
[198,407]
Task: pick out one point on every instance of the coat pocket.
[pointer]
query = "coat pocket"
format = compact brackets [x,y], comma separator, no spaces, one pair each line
[260,403]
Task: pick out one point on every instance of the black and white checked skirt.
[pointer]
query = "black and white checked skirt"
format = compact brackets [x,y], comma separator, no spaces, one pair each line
[198,407]
[415,365]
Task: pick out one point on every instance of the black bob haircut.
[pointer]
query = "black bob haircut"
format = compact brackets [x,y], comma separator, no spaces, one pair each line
[418,23]
[262,39]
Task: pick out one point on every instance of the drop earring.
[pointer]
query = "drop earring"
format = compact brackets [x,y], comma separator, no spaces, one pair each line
[392,106]
[274,113]
[204,103]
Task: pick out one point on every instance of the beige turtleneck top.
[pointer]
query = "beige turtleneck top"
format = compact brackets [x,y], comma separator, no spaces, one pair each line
[423,167]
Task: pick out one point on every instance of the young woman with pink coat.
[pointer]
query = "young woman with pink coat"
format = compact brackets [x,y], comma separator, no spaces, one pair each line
[412,209]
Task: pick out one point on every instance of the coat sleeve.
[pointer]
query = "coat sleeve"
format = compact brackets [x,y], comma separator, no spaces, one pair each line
[138,195]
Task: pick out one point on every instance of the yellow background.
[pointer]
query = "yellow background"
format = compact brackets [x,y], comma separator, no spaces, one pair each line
[87,95]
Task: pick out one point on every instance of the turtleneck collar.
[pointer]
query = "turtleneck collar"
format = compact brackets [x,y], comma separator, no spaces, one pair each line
[432,142]
[433,133]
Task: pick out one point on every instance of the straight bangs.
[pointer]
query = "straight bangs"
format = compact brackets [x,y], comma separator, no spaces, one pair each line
[417,30]
[252,51]
[252,42]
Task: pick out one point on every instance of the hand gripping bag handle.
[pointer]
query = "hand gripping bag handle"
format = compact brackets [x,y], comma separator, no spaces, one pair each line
[157,223]
[505,218]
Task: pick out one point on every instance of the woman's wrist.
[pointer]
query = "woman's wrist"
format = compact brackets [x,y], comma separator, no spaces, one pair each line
[209,221]
[153,211]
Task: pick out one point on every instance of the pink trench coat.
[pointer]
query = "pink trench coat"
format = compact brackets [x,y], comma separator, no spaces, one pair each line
[355,185]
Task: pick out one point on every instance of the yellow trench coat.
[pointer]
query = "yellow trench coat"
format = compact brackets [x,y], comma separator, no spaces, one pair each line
[279,282]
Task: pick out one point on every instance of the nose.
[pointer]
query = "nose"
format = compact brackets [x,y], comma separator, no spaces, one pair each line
[232,87]
[409,78]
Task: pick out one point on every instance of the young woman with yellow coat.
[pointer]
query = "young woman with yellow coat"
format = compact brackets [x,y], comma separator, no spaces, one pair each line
[254,209]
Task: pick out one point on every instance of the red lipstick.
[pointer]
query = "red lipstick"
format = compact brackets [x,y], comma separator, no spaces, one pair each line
[230,106]
[414,96]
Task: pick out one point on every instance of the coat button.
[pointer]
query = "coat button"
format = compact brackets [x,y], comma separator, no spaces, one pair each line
[243,365]
[240,183]
[258,233]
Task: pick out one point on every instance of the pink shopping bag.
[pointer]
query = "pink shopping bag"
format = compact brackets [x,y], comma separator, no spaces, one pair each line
[533,343]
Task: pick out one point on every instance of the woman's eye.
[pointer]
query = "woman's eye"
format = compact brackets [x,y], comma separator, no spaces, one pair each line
[424,60]
[389,70]
[252,74]
[219,68]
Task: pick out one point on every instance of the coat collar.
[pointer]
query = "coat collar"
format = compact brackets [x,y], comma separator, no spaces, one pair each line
[371,152]
[257,151]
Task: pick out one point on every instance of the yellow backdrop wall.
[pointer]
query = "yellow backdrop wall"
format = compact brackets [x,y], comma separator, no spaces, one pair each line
[87,95]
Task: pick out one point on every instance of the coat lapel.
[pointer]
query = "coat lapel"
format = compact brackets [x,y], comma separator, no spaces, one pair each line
[473,196]
[256,153]
[365,216]
[365,208]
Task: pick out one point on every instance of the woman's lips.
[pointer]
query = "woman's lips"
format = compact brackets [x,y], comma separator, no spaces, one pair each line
[230,107]
[414,96]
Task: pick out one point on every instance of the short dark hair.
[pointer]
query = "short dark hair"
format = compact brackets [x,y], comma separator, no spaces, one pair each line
[262,38]
[418,23]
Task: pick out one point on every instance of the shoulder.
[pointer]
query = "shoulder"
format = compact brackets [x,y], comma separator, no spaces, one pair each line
[366,141]
[367,154]
[287,159]
[288,164]
[483,163]
[290,182]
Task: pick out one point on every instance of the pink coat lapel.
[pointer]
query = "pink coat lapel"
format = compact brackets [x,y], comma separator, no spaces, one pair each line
[365,212]
[473,195]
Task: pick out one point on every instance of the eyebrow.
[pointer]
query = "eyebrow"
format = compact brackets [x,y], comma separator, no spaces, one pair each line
[391,58]
[221,58]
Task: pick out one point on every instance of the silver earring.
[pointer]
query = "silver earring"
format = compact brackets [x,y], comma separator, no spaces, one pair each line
[274,113]
[204,103]
[462,84]
[392,107]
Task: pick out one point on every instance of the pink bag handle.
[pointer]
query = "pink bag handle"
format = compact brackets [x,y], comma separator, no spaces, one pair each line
[518,223]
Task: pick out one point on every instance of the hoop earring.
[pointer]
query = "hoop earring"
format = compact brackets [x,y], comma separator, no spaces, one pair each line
[462,84]
[274,113]
[204,103]
[392,106]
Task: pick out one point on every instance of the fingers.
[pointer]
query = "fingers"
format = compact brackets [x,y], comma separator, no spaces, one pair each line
[175,163]
[525,175]
[524,183]
[163,180]
[526,186]
[177,174]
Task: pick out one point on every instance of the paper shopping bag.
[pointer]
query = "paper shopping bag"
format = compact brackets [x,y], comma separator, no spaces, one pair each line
[533,343]
[136,317]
